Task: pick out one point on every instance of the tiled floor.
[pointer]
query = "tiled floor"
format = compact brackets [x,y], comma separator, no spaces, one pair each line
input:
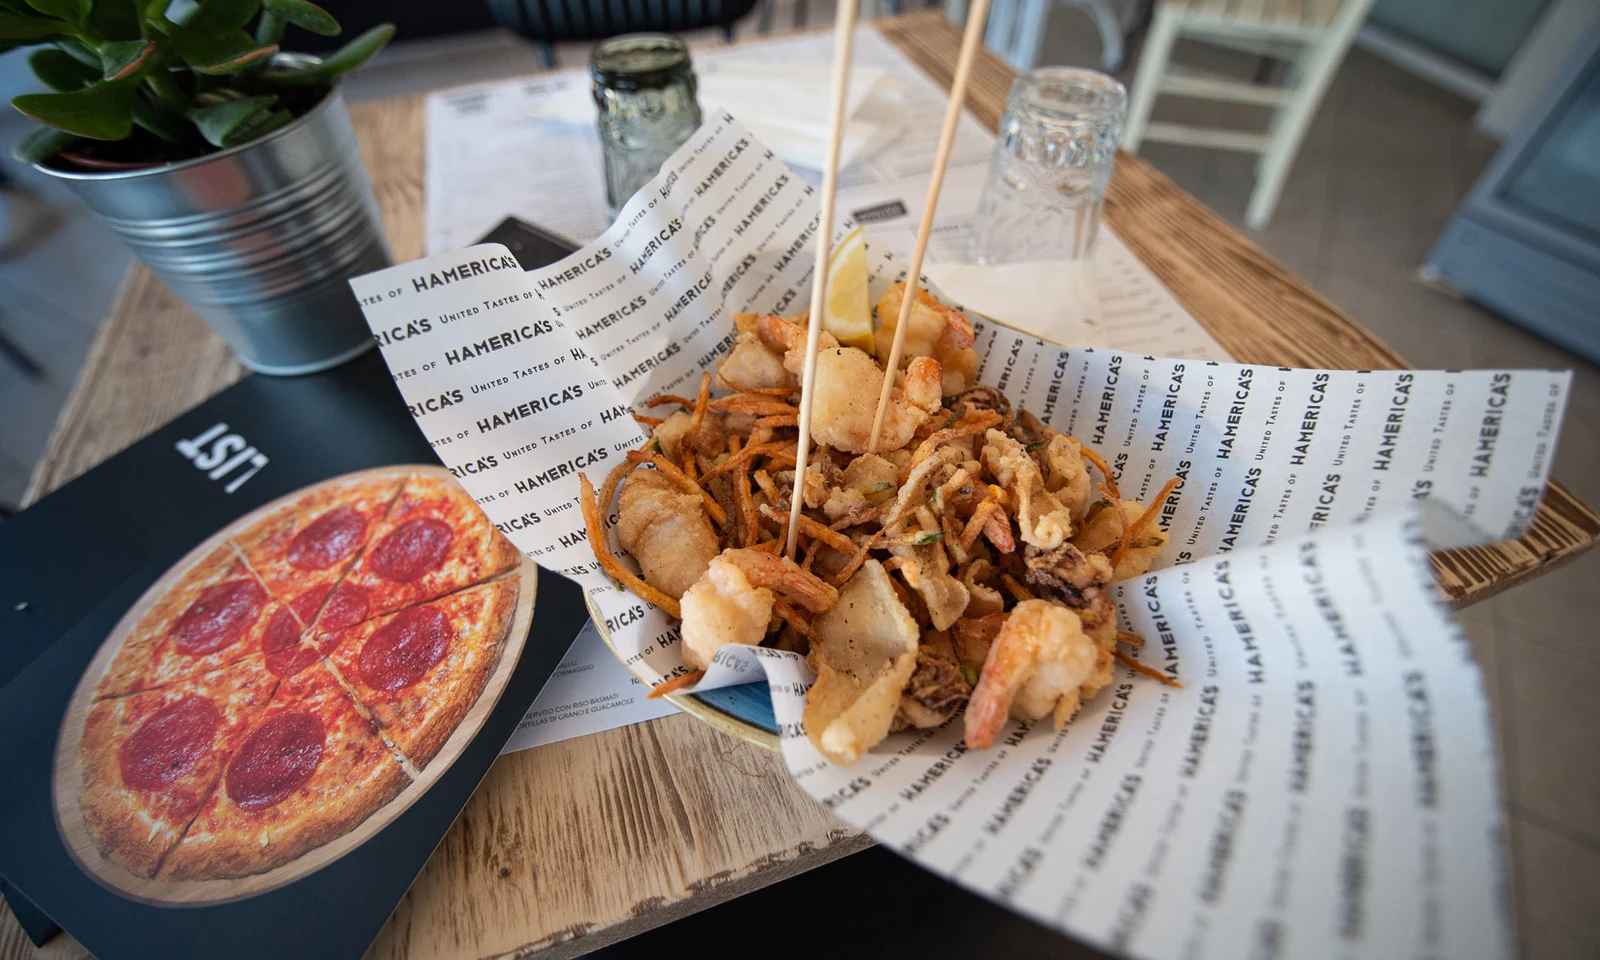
[1385,163]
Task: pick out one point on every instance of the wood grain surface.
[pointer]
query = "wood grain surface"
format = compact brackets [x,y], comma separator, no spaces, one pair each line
[574,845]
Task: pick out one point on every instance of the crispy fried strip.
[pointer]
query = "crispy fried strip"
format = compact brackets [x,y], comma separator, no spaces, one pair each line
[786,420]
[764,480]
[756,391]
[648,421]
[810,528]
[675,684]
[1130,639]
[669,398]
[811,553]
[769,546]
[671,472]
[749,524]
[608,489]
[973,423]
[1144,520]
[792,617]
[1110,493]
[975,525]
[1100,465]
[998,531]
[743,457]
[1138,667]
[1014,588]
[1033,424]
[701,401]
[782,461]
[858,558]
[763,407]
[609,563]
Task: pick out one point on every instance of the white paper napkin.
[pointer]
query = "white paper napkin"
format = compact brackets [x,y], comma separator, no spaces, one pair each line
[1055,301]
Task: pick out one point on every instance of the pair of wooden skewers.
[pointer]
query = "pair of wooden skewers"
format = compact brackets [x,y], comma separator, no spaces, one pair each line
[844,35]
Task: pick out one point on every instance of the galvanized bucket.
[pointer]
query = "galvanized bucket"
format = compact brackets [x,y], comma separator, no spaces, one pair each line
[259,239]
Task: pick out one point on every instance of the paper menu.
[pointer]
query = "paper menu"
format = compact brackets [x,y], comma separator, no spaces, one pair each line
[522,380]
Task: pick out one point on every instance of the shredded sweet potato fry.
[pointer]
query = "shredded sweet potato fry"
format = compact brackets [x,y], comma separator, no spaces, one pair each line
[980,517]
[786,420]
[1014,588]
[1130,639]
[686,482]
[764,481]
[665,398]
[968,425]
[792,617]
[701,401]
[1138,667]
[611,565]
[810,528]
[648,421]
[1099,464]
[675,684]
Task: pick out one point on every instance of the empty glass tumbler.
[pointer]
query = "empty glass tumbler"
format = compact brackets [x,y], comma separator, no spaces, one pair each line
[1051,167]
[644,87]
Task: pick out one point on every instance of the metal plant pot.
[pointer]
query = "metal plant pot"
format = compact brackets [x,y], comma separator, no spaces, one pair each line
[259,239]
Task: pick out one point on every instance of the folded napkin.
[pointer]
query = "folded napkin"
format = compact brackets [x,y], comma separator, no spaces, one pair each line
[784,105]
[1055,301]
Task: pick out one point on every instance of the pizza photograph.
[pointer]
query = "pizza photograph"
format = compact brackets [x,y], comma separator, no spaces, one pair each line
[290,687]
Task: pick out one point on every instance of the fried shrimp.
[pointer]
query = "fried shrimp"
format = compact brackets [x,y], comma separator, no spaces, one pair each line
[752,365]
[933,330]
[666,530]
[1040,657]
[722,607]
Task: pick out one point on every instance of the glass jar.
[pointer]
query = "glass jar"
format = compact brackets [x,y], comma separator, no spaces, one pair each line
[1052,164]
[644,88]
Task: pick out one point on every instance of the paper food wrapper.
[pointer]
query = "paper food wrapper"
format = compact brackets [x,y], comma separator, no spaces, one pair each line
[1322,784]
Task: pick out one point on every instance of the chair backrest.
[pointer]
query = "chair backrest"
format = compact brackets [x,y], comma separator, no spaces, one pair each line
[556,21]
[1279,15]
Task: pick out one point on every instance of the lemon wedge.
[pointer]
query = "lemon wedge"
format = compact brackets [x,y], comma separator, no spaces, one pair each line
[848,311]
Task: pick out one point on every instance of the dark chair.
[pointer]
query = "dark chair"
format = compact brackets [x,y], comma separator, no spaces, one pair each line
[548,22]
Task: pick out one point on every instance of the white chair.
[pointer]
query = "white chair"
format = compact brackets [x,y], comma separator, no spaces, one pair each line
[1313,35]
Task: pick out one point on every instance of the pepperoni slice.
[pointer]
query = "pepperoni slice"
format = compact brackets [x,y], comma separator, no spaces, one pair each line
[347,608]
[403,650]
[290,661]
[276,760]
[169,744]
[411,549]
[328,539]
[282,632]
[307,604]
[219,617]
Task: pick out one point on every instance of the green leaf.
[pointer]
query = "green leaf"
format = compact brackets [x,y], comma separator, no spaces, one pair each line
[101,112]
[306,16]
[226,52]
[347,58]
[124,58]
[261,126]
[42,144]
[81,53]
[61,70]
[72,11]
[218,122]
[30,29]
[115,20]
[214,16]
[162,122]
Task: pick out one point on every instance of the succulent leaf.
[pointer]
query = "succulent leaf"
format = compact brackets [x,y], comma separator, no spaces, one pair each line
[343,60]
[306,16]
[217,53]
[62,71]
[25,29]
[72,11]
[218,122]
[215,16]
[124,58]
[42,144]
[103,111]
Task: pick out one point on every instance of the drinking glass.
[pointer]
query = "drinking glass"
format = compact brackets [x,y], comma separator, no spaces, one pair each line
[1047,181]
[644,87]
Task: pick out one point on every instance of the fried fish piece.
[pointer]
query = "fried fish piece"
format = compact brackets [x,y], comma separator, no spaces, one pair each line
[666,530]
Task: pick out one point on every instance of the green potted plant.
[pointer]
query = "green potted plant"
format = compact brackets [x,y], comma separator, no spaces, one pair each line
[229,166]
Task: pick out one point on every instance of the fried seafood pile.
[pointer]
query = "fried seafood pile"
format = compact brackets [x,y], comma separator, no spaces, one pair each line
[964,563]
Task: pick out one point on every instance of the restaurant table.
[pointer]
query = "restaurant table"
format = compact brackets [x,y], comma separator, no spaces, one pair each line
[570,846]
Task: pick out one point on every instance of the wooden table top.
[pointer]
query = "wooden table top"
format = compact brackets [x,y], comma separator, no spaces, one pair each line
[571,846]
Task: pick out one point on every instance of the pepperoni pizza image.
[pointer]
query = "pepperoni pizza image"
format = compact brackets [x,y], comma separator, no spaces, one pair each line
[290,686]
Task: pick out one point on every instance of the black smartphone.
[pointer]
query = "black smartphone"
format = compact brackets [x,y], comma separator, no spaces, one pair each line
[533,246]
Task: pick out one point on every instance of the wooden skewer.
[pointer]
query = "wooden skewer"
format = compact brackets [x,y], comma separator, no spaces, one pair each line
[971,40]
[843,39]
